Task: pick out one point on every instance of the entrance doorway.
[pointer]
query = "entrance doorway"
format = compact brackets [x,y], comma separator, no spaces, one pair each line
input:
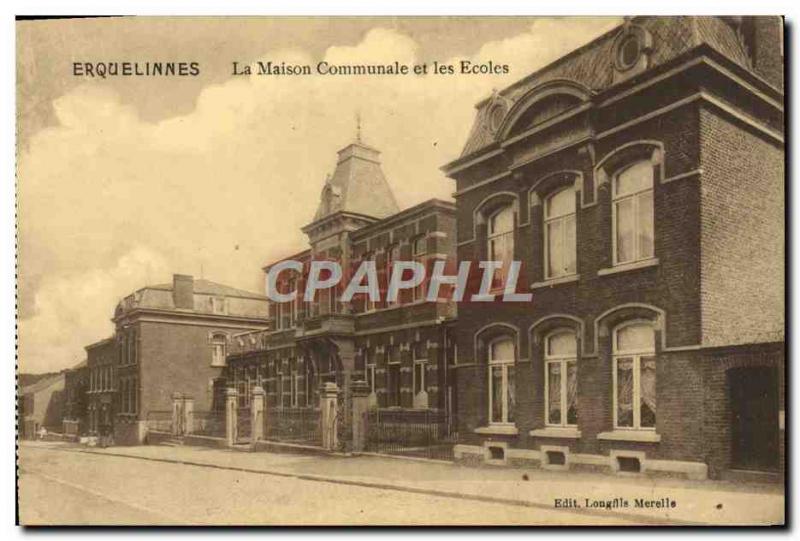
[753,395]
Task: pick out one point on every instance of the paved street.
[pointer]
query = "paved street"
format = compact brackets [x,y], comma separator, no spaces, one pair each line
[62,484]
[59,487]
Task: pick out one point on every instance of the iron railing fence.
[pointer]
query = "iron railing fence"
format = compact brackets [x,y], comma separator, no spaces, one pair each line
[243,425]
[207,423]
[419,433]
[159,420]
[293,425]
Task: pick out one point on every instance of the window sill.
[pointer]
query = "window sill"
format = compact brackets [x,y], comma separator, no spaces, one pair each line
[645,436]
[556,432]
[625,267]
[556,281]
[502,430]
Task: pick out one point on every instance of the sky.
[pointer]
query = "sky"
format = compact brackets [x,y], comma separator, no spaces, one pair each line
[123,182]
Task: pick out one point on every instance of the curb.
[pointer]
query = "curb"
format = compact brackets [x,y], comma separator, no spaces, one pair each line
[645,520]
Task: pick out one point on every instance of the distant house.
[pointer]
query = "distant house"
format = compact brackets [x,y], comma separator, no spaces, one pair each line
[75,384]
[41,404]
[170,338]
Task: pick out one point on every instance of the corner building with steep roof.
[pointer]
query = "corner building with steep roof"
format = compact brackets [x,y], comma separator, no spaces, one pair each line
[640,181]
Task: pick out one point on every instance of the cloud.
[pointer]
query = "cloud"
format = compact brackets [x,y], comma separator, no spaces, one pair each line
[109,202]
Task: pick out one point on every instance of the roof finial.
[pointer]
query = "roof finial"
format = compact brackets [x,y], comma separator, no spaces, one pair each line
[358,126]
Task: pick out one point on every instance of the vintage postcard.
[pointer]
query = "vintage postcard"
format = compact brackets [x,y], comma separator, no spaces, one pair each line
[401,271]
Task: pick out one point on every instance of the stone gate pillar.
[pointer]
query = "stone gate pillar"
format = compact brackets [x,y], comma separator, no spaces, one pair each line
[328,395]
[257,412]
[231,415]
[360,404]
[188,414]
[177,414]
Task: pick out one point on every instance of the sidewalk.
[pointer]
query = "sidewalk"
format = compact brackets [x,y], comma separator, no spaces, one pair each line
[696,502]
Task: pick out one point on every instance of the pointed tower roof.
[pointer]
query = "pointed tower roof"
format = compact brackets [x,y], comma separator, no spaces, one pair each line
[357,185]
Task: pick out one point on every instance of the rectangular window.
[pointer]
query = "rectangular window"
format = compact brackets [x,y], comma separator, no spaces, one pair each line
[511,400]
[647,385]
[294,389]
[633,213]
[419,376]
[371,378]
[626,242]
[624,385]
[420,398]
[497,394]
[392,255]
[393,377]
[572,393]
[135,394]
[559,229]
[418,250]
[554,392]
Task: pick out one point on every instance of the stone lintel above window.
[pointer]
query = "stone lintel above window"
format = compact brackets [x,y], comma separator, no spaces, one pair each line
[624,267]
[502,430]
[556,281]
[569,432]
[645,436]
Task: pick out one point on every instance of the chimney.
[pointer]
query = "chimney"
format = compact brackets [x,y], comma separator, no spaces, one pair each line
[183,291]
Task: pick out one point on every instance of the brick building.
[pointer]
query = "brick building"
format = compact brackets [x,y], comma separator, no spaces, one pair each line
[170,338]
[101,364]
[75,418]
[639,179]
[398,348]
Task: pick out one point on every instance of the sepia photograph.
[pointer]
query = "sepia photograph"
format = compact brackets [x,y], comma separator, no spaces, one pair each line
[401,271]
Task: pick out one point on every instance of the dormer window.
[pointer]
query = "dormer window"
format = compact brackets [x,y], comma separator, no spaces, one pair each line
[631,51]
[628,51]
[218,305]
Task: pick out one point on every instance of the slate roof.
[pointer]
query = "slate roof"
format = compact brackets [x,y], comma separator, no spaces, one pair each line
[591,64]
[207,287]
[42,384]
[357,185]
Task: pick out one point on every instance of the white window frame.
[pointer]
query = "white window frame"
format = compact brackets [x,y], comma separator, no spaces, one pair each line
[423,364]
[392,255]
[292,303]
[294,388]
[563,218]
[390,364]
[563,361]
[219,347]
[636,355]
[493,236]
[371,377]
[503,364]
[615,201]
[369,305]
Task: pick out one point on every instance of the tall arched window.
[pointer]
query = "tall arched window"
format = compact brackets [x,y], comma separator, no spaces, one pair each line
[500,241]
[559,233]
[218,349]
[561,378]
[633,213]
[501,381]
[634,376]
